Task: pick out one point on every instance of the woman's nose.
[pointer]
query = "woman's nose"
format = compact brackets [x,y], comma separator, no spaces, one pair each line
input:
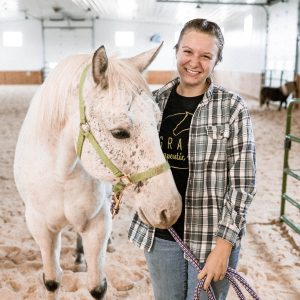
[194,59]
[194,62]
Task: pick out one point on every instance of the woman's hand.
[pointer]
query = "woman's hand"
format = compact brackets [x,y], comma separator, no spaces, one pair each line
[216,264]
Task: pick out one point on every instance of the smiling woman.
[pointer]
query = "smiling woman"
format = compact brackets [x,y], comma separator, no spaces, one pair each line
[206,136]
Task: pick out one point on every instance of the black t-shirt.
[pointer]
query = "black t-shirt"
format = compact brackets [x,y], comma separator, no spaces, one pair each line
[174,136]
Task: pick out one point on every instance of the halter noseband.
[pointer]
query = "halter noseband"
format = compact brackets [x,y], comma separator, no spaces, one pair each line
[123,180]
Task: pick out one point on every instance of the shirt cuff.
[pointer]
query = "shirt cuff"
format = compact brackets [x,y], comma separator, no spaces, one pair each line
[227,234]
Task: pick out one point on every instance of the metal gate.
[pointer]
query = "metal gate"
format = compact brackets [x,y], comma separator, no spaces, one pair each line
[287,171]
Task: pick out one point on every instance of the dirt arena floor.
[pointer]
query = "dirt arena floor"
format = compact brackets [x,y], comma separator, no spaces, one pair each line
[270,258]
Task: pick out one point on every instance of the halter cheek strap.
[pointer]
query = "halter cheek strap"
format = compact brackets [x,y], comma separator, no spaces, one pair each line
[123,180]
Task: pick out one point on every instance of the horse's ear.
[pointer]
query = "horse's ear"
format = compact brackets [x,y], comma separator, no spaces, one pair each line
[143,60]
[99,66]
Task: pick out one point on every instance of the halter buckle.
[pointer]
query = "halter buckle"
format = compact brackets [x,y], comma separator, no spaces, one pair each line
[85,128]
[125,179]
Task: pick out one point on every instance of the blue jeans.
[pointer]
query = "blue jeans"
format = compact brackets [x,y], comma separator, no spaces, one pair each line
[174,278]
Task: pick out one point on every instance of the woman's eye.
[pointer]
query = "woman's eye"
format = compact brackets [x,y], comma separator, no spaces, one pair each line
[120,133]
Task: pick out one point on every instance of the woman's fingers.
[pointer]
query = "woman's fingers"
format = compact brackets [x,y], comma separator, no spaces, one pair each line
[222,275]
[207,281]
[202,274]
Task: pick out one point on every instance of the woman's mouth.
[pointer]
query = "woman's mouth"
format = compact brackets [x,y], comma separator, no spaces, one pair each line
[192,71]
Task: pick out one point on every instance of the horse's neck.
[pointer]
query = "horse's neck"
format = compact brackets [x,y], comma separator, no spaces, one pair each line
[59,145]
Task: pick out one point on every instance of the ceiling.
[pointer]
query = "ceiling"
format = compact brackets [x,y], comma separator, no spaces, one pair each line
[156,11]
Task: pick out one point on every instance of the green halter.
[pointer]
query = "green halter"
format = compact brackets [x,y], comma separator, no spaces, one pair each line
[124,180]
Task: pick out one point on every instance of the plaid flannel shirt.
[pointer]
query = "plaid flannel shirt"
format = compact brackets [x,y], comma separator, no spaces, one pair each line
[221,183]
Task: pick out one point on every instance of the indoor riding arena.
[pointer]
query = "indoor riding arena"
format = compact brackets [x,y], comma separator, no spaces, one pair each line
[262,49]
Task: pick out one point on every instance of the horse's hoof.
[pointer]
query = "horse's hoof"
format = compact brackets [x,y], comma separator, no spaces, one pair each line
[99,292]
[51,285]
[79,259]
[80,264]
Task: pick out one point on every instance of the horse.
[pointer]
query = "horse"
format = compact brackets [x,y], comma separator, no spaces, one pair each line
[91,132]
[281,93]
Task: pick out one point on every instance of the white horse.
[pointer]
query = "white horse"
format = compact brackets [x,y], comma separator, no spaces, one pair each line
[92,124]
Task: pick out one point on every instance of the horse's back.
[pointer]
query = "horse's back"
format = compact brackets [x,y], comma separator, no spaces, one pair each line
[272,93]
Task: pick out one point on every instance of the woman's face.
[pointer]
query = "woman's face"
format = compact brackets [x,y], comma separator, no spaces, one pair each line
[196,58]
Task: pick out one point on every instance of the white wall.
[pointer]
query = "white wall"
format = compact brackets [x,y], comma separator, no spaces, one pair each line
[245,51]
[282,35]
[242,53]
[282,43]
[62,38]
[28,57]
[104,35]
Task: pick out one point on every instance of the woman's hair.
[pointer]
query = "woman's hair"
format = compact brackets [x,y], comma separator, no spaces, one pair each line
[205,26]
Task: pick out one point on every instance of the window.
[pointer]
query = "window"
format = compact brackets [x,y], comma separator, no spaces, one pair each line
[12,39]
[124,38]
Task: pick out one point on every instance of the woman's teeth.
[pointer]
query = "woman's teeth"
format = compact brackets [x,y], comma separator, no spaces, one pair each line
[192,72]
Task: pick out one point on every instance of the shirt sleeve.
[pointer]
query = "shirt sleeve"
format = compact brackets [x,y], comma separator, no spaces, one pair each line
[241,172]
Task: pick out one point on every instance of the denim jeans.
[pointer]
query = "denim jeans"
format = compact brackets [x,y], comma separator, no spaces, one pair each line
[174,278]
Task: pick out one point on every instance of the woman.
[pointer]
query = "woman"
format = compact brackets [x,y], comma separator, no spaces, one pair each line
[206,135]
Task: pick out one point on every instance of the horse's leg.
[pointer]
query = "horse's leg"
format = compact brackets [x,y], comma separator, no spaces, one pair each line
[79,250]
[49,243]
[80,264]
[95,238]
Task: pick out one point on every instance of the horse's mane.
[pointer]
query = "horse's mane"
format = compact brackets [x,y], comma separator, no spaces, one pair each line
[63,82]
[53,95]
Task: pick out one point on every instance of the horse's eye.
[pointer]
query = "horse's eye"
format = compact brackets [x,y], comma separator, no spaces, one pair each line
[120,134]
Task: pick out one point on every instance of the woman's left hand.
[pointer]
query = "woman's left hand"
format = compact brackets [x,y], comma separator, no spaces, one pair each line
[216,264]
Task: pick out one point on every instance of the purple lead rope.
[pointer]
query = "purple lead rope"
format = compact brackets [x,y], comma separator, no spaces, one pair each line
[231,274]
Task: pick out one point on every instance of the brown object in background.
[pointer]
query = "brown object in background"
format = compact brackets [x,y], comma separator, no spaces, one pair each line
[159,77]
[21,77]
[297,79]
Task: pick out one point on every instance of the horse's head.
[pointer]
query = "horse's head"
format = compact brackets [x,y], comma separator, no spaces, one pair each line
[123,118]
[289,88]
